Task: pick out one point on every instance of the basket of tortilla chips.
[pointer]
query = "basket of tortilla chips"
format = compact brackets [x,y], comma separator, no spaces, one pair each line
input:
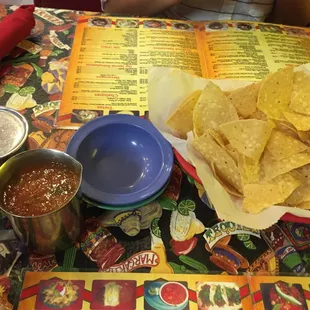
[249,141]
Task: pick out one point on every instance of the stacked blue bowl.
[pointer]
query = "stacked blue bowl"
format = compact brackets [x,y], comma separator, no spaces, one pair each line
[126,161]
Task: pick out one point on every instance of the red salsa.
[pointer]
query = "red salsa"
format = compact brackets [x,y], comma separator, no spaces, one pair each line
[40,189]
[173,294]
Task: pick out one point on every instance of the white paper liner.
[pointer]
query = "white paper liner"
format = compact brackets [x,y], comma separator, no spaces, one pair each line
[167,88]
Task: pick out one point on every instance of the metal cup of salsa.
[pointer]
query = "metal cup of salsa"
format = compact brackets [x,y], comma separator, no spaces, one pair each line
[38,192]
[13,133]
[174,294]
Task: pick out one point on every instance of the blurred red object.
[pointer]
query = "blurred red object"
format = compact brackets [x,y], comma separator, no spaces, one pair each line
[15,27]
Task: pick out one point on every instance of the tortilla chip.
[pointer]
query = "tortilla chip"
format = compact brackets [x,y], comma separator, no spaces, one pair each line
[217,137]
[300,194]
[300,101]
[232,152]
[283,146]
[181,120]
[225,166]
[275,93]
[287,128]
[299,176]
[261,196]
[304,205]
[245,99]
[272,168]
[249,170]
[301,122]
[229,189]
[304,136]
[212,109]
[284,125]
[288,182]
[305,172]
[249,136]
[259,115]
[290,130]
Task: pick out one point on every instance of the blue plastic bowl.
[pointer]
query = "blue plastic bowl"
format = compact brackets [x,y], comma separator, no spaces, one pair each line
[125,159]
[126,207]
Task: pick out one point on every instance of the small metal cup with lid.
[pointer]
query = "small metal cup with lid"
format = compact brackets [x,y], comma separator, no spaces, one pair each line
[13,133]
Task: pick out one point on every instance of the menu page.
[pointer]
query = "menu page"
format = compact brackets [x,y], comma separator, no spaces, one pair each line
[110,60]
[286,292]
[249,51]
[133,291]
[119,291]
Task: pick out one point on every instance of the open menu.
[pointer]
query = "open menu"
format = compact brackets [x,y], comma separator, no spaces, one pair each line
[108,71]
[81,290]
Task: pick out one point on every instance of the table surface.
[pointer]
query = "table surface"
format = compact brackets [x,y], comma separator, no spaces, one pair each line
[213,248]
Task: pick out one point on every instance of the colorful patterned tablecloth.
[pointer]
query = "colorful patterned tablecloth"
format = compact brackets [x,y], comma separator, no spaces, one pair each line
[178,232]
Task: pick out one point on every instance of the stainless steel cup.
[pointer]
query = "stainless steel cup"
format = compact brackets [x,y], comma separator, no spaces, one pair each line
[50,232]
